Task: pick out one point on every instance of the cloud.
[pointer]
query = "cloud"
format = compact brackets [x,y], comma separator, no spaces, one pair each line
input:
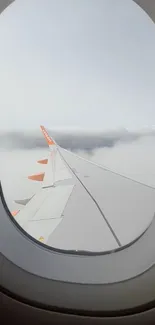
[131,155]
[87,141]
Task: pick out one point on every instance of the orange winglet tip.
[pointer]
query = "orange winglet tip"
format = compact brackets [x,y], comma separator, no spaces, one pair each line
[37,177]
[14,213]
[43,161]
[49,140]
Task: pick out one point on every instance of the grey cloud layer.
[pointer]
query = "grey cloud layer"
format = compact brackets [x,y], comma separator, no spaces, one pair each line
[73,141]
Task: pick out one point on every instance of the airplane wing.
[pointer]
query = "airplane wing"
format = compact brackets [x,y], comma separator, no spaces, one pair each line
[84,206]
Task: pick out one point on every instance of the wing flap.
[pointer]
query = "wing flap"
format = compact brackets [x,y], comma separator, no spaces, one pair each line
[47,205]
[42,229]
[24,201]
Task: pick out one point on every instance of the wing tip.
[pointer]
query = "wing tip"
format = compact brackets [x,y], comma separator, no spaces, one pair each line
[48,139]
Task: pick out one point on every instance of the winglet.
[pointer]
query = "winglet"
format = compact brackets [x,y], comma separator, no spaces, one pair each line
[48,139]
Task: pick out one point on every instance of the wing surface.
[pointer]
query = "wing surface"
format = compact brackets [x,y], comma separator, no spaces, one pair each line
[84,206]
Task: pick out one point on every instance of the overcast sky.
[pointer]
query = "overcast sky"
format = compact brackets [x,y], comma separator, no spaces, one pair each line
[76,64]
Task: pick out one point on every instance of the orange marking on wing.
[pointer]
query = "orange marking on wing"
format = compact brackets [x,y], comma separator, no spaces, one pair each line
[47,137]
[37,177]
[14,213]
[43,161]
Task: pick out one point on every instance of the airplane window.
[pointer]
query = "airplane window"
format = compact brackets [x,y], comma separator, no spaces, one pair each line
[84,71]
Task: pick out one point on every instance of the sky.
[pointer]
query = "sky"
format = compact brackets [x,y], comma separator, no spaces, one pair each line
[82,64]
